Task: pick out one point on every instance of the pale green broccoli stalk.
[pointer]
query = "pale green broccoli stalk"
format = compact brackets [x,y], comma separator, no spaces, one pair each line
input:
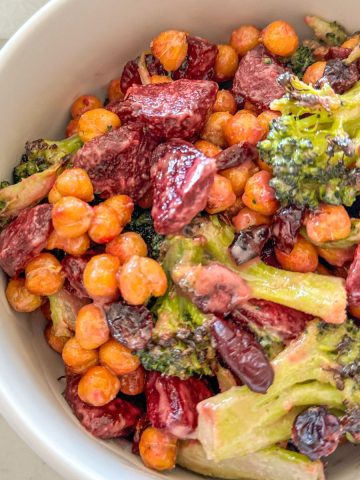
[64,308]
[331,33]
[316,369]
[301,60]
[352,239]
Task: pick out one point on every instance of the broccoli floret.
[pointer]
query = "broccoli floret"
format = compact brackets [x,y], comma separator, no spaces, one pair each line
[316,369]
[142,223]
[301,60]
[331,33]
[314,145]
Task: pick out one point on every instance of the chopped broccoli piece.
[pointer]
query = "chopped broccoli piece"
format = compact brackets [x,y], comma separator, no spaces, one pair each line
[142,223]
[331,33]
[64,308]
[301,60]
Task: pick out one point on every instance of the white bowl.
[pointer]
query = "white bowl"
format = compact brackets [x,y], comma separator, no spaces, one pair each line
[72,47]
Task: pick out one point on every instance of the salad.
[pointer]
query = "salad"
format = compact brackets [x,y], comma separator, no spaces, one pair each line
[193,244]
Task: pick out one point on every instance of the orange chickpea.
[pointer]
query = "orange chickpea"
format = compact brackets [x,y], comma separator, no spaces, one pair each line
[207,148]
[245,38]
[314,72]
[98,386]
[280,38]
[226,63]
[336,256]
[238,176]
[72,127]
[77,358]
[243,127]
[105,225]
[123,206]
[302,258]
[54,342]
[72,246]
[114,91]
[235,209]
[351,42]
[214,128]
[71,217]
[91,328]
[140,278]
[160,79]
[221,196]
[322,270]
[248,218]
[225,102]
[170,48]
[158,449]
[133,383]
[118,358]
[97,122]
[43,275]
[264,166]
[54,195]
[328,223]
[20,298]
[83,104]
[126,245]
[100,277]
[265,118]
[248,106]
[259,196]
[246,111]
[75,182]
[354,311]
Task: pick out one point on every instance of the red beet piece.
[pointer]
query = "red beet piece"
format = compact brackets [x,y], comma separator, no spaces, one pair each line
[236,155]
[337,52]
[24,238]
[171,402]
[182,177]
[118,162]
[116,419]
[353,280]
[168,110]
[73,268]
[130,75]
[200,60]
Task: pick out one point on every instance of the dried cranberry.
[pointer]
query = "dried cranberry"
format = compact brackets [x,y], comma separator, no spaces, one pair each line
[154,66]
[200,60]
[341,77]
[285,227]
[268,256]
[73,268]
[140,426]
[316,432]
[129,325]
[248,243]
[334,53]
[236,155]
[130,75]
[171,402]
[353,280]
[243,355]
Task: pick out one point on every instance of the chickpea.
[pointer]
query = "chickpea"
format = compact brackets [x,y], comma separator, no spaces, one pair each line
[98,386]
[71,217]
[235,209]
[244,111]
[114,91]
[140,278]
[250,107]
[314,72]
[259,196]
[302,258]
[91,328]
[97,122]
[225,102]
[133,383]
[72,127]
[123,206]
[263,165]
[221,196]
[322,270]
[226,63]
[248,218]
[170,48]
[77,358]
[160,79]
[20,298]
[43,275]
[265,118]
[83,104]
[118,358]
[280,38]
[245,38]
[207,148]
[328,223]
[72,246]
[126,245]
[214,128]
[238,176]
[355,311]
[351,42]
[75,182]
[337,257]
[158,449]
[243,127]
[100,277]
[54,195]
[54,342]
[105,225]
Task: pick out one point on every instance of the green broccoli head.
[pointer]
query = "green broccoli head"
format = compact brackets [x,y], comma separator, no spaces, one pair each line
[142,223]
[331,33]
[301,60]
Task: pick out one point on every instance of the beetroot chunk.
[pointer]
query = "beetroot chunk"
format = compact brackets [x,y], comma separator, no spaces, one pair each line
[74,267]
[24,238]
[115,419]
[168,110]
[118,162]
[200,60]
[182,177]
[171,402]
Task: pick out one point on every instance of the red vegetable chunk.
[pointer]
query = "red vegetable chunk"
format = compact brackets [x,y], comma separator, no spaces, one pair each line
[182,178]
[200,60]
[130,74]
[168,110]
[236,155]
[171,402]
[118,162]
[73,268]
[353,280]
[24,238]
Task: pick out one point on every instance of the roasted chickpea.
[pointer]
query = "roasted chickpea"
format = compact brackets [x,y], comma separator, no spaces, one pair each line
[170,48]
[100,277]
[280,38]
[302,258]
[243,127]
[71,217]
[83,104]
[126,245]
[72,127]
[221,196]
[248,106]
[351,42]
[133,383]
[328,223]
[114,91]
[207,148]
[123,206]
[160,79]
[259,196]
[248,218]
[158,449]
[77,358]
[225,102]
[20,298]
[265,118]
[105,225]
[118,358]
[43,275]
[97,122]
[140,278]
[226,63]
[98,386]
[75,182]
[91,328]
[72,246]
[337,257]
[322,270]
[244,111]
[245,38]
[214,128]
[314,72]
[55,342]
[238,176]
[54,195]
